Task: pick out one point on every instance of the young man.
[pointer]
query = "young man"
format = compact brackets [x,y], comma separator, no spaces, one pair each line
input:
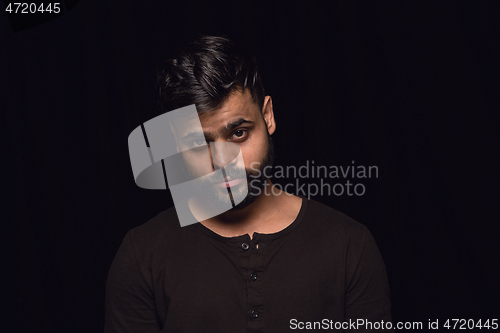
[275,262]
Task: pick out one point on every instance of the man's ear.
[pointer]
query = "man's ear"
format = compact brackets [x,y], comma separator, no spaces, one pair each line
[268,114]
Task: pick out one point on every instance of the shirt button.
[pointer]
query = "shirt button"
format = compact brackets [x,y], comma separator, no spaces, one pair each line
[253,276]
[245,246]
[255,314]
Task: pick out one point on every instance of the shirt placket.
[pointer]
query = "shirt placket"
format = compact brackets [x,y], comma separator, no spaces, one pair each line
[254,252]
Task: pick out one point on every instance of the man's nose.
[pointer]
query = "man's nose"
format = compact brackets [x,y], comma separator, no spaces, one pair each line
[223,153]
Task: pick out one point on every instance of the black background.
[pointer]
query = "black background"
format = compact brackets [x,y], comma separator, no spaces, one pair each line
[411,87]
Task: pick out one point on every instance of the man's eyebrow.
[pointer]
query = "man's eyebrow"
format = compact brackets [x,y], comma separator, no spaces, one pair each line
[232,125]
[209,135]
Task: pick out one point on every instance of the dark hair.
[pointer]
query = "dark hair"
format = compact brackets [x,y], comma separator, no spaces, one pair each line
[205,73]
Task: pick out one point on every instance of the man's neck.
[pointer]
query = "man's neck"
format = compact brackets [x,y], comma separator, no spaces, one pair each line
[272,211]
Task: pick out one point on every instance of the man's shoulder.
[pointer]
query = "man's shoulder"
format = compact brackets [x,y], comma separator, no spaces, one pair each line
[326,226]
[164,225]
[328,219]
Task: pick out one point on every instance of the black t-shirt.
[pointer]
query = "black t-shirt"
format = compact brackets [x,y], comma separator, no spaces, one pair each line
[322,271]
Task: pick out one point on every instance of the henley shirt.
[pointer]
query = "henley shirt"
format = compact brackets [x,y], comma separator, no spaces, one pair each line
[321,270]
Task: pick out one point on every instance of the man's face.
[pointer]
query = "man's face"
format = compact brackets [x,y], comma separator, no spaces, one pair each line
[238,121]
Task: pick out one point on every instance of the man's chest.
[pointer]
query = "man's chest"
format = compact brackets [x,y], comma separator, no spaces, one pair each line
[254,286]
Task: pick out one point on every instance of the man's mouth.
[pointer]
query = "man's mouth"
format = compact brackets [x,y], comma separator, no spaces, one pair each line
[229,182]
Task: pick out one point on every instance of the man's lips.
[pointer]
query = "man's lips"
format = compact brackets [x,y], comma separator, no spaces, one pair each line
[230,182]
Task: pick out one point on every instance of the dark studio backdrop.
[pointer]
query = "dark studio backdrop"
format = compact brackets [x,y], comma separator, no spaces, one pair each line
[410,87]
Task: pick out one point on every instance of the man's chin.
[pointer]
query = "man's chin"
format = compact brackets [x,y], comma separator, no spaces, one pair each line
[222,199]
[249,199]
[253,193]
[218,197]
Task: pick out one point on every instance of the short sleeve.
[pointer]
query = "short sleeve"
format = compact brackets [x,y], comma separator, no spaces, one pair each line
[130,304]
[367,290]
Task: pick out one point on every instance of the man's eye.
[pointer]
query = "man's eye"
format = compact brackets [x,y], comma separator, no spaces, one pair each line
[197,143]
[239,133]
